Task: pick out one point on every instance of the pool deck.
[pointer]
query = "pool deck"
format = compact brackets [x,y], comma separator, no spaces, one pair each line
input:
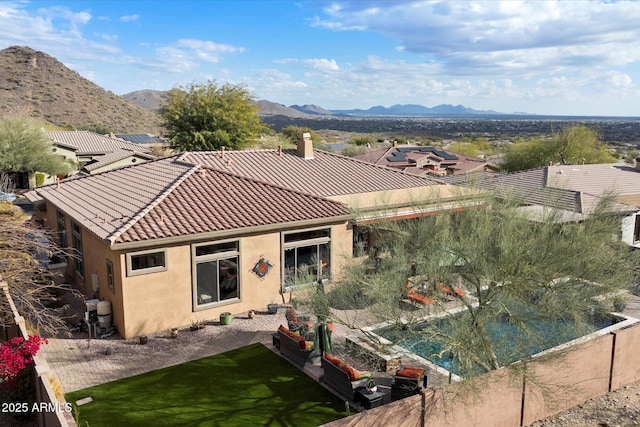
[79,362]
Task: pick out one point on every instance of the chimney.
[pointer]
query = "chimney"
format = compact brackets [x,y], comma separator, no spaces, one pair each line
[305,146]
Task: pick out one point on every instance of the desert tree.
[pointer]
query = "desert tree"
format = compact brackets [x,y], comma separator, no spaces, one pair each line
[514,270]
[293,132]
[208,116]
[24,251]
[25,148]
[573,145]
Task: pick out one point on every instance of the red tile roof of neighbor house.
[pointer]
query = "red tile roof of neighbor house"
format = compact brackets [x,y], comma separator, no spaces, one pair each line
[458,162]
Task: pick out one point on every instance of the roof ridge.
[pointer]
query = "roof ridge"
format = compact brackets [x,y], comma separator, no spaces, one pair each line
[156,201]
[270,184]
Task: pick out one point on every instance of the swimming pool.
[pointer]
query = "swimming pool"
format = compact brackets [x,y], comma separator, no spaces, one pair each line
[427,338]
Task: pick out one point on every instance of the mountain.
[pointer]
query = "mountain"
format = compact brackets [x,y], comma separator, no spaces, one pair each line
[312,109]
[37,85]
[148,99]
[412,110]
[268,108]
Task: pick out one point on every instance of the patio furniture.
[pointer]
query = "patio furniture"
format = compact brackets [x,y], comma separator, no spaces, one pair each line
[337,377]
[294,347]
[407,382]
[369,400]
[299,323]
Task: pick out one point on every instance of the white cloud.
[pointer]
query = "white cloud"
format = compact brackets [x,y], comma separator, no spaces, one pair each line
[500,36]
[320,64]
[129,18]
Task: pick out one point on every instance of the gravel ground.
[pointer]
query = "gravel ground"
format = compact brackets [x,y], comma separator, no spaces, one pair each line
[619,408]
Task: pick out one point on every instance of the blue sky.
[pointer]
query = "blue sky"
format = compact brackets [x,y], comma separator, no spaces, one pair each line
[543,57]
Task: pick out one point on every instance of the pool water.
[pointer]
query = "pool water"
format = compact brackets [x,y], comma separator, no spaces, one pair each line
[422,338]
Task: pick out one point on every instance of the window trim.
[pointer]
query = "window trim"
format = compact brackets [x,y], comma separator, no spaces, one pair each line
[61,220]
[216,256]
[78,249]
[150,270]
[303,243]
[636,229]
[110,275]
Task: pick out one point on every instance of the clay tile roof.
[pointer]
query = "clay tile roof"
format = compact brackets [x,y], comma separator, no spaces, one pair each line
[170,198]
[327,174]
[104,203]
[92,143]
[116,156]
[210,200]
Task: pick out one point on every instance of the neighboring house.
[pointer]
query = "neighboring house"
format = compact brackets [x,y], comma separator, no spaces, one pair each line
[144,139]
[82,148]
[194,235]
[572,191]
[419,160]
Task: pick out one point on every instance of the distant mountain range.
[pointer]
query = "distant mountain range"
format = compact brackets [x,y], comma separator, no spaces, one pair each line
[268,108]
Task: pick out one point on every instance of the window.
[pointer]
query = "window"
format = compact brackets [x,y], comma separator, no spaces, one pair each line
[636,230]
[146,262]
[215,277]
[110,275]
[307,256]
[361,241]
[62,230]
[76,240]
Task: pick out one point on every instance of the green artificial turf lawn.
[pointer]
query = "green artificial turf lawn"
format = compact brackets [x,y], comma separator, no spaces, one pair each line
[250,386]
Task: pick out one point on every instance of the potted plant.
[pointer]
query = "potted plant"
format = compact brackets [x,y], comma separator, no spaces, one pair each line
[225,318]
[196,325]
[272,308]
[143,339]
[371,386]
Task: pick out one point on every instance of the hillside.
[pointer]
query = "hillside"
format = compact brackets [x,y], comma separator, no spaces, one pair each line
[35,84]
[148,99]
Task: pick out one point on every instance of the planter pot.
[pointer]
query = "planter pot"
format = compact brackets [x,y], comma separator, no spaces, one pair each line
[143,339]
[272,308]
[174,333]
[225,318]
[372,390]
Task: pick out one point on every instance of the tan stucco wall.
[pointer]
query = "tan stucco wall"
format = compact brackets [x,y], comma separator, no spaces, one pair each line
[401,201]
[163,300]
[567,379]
[626,369]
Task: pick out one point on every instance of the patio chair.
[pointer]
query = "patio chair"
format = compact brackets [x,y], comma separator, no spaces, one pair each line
[407,382]
[299,323]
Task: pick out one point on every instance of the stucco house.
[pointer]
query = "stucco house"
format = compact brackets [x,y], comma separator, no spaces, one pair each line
[426,160]
[190,236]
[573,191]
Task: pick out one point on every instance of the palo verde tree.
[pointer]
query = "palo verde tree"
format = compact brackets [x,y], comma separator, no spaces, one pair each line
[25,148]
[206,116]
[515,272]
[574,145]
[24,251]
